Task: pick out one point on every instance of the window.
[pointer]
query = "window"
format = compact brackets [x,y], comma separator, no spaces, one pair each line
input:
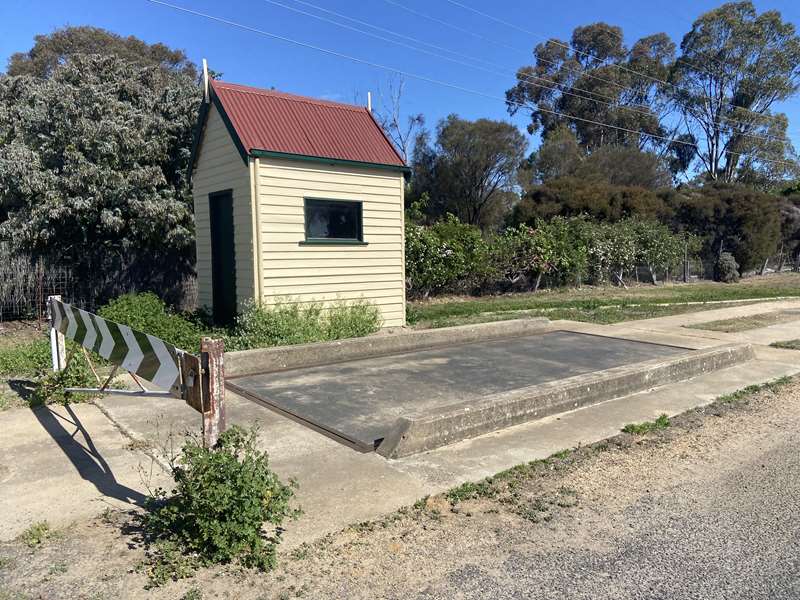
[332,221]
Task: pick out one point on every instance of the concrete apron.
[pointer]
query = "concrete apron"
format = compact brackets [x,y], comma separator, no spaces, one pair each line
[418,433]
[333,403]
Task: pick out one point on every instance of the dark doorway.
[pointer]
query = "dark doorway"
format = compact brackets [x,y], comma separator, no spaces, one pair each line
[223,259]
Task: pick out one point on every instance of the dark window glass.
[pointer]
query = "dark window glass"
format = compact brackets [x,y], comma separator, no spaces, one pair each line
[333,220]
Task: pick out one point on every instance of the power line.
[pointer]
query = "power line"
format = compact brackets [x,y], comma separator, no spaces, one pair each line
[547,61]
[570,91]
[584,53]
[528,78]
[497,43]
[428,79]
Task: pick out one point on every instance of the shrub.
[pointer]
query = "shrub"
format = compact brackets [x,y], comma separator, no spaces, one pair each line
[555,248]
[354,319]
[444,256]
[50,385]
[222,499]
[148,313]
[287,323]
[656,246]
[726,269]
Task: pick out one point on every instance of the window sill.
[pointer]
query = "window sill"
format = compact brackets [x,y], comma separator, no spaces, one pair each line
[332,242]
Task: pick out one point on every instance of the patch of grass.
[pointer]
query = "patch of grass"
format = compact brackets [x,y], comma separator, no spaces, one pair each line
[470,491]
[600,304]
[301,552]
[662,422]
[36,534]
[561,454]
[787,345]
[25,359]
[602,314]
[746,323]
[193,594]
[748,391]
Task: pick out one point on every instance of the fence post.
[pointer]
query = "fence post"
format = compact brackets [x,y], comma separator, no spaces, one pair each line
[58,350]
[211,361]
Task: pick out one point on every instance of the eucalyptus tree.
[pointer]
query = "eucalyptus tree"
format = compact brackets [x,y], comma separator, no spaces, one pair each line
[734,66]
[596,86]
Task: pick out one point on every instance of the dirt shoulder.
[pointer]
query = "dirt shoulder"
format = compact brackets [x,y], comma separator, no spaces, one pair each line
[703,508]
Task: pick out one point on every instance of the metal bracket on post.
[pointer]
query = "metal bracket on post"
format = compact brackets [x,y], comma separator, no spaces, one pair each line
[213,389]
[58,349]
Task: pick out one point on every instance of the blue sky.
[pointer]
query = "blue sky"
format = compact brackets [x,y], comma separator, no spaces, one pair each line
[249,58]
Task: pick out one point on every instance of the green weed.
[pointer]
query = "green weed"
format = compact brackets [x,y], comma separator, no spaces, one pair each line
[745,392]
[287,323]
[662,422]
[470,491]
[36,534]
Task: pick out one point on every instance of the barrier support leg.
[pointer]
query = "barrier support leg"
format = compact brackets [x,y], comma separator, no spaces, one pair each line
[58,350]
[211,359]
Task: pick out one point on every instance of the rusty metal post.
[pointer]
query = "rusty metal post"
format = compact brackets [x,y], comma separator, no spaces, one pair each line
[211,359]
[58,350]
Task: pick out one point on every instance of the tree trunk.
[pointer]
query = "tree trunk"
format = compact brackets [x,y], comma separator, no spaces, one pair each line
[620,281]
[537,282]
[653,278]
[781,259]
[764,267]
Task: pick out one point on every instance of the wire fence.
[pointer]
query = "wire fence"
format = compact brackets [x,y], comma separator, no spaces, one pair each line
[25,284]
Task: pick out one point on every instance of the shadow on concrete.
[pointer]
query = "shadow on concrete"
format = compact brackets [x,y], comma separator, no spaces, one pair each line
[23,388]
[84,456]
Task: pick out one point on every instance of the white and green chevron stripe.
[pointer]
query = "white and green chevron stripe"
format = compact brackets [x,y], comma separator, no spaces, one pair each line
[149,357]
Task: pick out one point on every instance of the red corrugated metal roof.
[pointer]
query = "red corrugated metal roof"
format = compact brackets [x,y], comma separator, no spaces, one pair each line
[279,122]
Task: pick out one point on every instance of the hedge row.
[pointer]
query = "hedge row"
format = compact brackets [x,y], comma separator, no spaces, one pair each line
[451,256]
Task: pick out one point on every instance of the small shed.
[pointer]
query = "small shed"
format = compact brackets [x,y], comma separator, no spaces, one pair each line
[296,199]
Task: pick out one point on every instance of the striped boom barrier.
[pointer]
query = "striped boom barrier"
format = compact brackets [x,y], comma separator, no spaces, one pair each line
[199,380]
[146,356]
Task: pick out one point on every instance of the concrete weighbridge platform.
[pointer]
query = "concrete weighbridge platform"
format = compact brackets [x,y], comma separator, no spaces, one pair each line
[404,393]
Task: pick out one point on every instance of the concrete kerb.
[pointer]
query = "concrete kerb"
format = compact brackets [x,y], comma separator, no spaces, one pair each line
[419,433]
[266,360]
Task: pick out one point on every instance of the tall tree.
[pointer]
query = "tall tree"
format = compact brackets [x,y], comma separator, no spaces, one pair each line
[53,49]
[93,171]
[734,66]
[471,167]
[596,78]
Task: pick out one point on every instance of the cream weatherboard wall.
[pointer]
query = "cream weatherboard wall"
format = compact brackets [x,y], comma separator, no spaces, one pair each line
[220,167]
[374,272]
